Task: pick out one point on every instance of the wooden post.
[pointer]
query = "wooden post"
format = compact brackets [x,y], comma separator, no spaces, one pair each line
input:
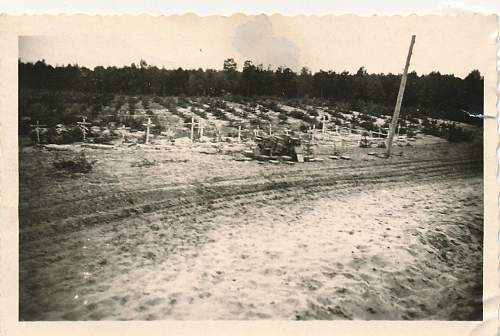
[192,128]
[200,125]
[399,100]
[82,125]
[148,125]
[239,133]
[37,128]
[270,129]
[337,129]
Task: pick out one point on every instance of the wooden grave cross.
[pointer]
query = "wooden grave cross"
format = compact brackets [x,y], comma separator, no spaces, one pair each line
[200,127]
[192,123]
[256,131]
[311,131]
[83,127]
[37,128]
[148,126]
[122,130]
[324,120]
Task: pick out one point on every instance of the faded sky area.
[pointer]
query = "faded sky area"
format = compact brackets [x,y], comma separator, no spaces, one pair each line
[454,45]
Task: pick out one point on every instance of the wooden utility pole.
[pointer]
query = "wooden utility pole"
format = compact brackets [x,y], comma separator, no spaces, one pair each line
[394,122]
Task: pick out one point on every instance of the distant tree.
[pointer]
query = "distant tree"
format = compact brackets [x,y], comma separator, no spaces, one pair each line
[230,70]
[434,95]
[230,65]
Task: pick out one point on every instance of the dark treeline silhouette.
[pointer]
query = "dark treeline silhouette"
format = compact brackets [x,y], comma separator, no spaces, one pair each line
[435,95]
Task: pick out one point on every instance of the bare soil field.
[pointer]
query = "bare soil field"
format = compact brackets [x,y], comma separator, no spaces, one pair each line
[203,236]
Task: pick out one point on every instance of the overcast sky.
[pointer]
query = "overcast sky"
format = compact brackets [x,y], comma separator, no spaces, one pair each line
[228,7]
[454,45]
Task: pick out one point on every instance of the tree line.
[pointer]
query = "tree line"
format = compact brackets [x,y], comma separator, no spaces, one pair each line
[435,95]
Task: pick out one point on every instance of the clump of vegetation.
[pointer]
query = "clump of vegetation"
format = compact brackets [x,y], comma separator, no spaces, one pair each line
[458,134]
[282,117]
[78,165]
[300,115]
[200,113]
[145,163]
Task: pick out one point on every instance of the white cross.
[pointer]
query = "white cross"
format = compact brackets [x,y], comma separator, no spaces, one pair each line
[37,128]
[324,120]
[310,131]
[256,131]
[83,127]
[148,125]
[200,127]
[122,131]
[192,123]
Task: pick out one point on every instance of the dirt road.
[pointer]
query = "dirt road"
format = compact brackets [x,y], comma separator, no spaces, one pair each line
[206,237]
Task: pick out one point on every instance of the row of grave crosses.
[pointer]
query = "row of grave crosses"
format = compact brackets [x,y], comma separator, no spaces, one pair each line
[83,126]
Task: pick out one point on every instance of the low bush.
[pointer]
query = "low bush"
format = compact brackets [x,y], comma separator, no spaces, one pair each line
[77,165]
[145,163]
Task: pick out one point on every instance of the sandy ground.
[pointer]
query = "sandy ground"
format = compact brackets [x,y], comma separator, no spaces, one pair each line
[206,237]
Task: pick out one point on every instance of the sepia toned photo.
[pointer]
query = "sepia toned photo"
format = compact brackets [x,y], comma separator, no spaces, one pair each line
[254,168]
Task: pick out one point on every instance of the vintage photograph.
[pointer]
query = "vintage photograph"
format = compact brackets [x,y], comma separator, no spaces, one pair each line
[253,168]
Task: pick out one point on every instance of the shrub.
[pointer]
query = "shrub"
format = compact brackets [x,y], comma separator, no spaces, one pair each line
[300,115]
[313,113]
[78,165]
[458,134]
[145,163]
[282,116]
